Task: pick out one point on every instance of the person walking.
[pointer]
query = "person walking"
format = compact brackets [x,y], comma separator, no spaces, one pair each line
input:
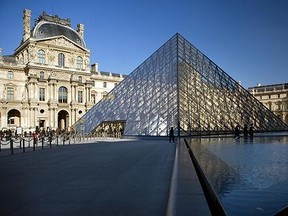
[251,131]
[237,131]
[171,135]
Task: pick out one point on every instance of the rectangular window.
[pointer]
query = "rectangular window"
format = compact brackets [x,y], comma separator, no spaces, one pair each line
[104,84]
[10,93]
[80,96]
[42,94]
[79,62]
[10,75]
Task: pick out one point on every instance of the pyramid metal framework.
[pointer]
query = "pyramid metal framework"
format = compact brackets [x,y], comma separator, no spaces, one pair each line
[178,86]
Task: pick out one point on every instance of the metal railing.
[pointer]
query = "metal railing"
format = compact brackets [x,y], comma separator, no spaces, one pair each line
[23,144]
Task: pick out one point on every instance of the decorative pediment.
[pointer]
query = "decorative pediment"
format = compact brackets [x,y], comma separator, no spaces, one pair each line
[61,41]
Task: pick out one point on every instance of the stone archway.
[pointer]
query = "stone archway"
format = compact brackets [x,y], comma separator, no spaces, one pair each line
[63,120]
[13,119]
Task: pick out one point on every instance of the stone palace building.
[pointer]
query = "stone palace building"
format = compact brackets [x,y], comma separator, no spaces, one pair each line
[48,82]
[274,97]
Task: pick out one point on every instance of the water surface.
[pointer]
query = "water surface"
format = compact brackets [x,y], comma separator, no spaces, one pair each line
[249,176]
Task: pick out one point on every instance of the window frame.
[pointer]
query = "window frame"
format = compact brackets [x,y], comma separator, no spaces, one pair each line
[41,94]
[42,75]
[62,94]
[10,93]
[61,60]
[10,74]
[41,56]
[80,96]
[79,63]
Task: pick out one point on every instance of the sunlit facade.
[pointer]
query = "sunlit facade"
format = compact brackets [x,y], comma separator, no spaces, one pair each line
[48,81]
[274,97]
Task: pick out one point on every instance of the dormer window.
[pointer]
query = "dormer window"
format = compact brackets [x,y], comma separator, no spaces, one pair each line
[61,60]
[41,56]
[79,62]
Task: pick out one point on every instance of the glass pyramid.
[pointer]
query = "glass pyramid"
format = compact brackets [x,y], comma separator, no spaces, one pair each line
[178,86]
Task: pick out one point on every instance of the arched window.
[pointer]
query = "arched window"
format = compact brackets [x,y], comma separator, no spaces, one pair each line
[41,56]
[79,62]
[41,75]
[62,94]
[80,79]
[61,60]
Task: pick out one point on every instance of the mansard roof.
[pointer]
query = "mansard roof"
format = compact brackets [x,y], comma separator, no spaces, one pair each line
[45,29]
[47,26]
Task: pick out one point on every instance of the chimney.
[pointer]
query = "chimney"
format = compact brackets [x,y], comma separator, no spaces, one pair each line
[26,24]
[94,67]
[80,29]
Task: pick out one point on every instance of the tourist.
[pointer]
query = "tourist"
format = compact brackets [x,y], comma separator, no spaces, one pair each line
[171,135]
[237,131]
[245,131]
[251,131]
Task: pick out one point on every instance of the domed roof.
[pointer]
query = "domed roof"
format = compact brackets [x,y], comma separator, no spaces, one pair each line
[45,29]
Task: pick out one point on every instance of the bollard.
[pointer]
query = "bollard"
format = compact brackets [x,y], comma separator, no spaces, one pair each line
[57,140]
[11,146]
[50,141]
[63,140]
[23,144]
[34,143]
[42,142]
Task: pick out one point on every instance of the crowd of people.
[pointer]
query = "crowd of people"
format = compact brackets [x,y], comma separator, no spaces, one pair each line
[247,132]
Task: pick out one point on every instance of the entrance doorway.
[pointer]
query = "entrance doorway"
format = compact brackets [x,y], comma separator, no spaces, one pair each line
[110,129]
[13,119]
[63,120]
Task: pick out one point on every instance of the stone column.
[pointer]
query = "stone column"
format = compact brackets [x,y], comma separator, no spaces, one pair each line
[55,92]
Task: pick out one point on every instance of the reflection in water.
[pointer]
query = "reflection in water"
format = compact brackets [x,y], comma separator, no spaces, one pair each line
[249,176]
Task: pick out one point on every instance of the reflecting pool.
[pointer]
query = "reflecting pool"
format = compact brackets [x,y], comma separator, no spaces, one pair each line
[250,176]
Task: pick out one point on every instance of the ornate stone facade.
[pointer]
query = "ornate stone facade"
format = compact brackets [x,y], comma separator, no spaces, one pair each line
[274,97]
[48,81]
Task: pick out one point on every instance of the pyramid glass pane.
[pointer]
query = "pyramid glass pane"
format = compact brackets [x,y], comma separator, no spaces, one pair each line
[178,86]
[213,102]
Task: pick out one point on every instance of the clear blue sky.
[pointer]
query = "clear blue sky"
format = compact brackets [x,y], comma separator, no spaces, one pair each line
[247,38]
